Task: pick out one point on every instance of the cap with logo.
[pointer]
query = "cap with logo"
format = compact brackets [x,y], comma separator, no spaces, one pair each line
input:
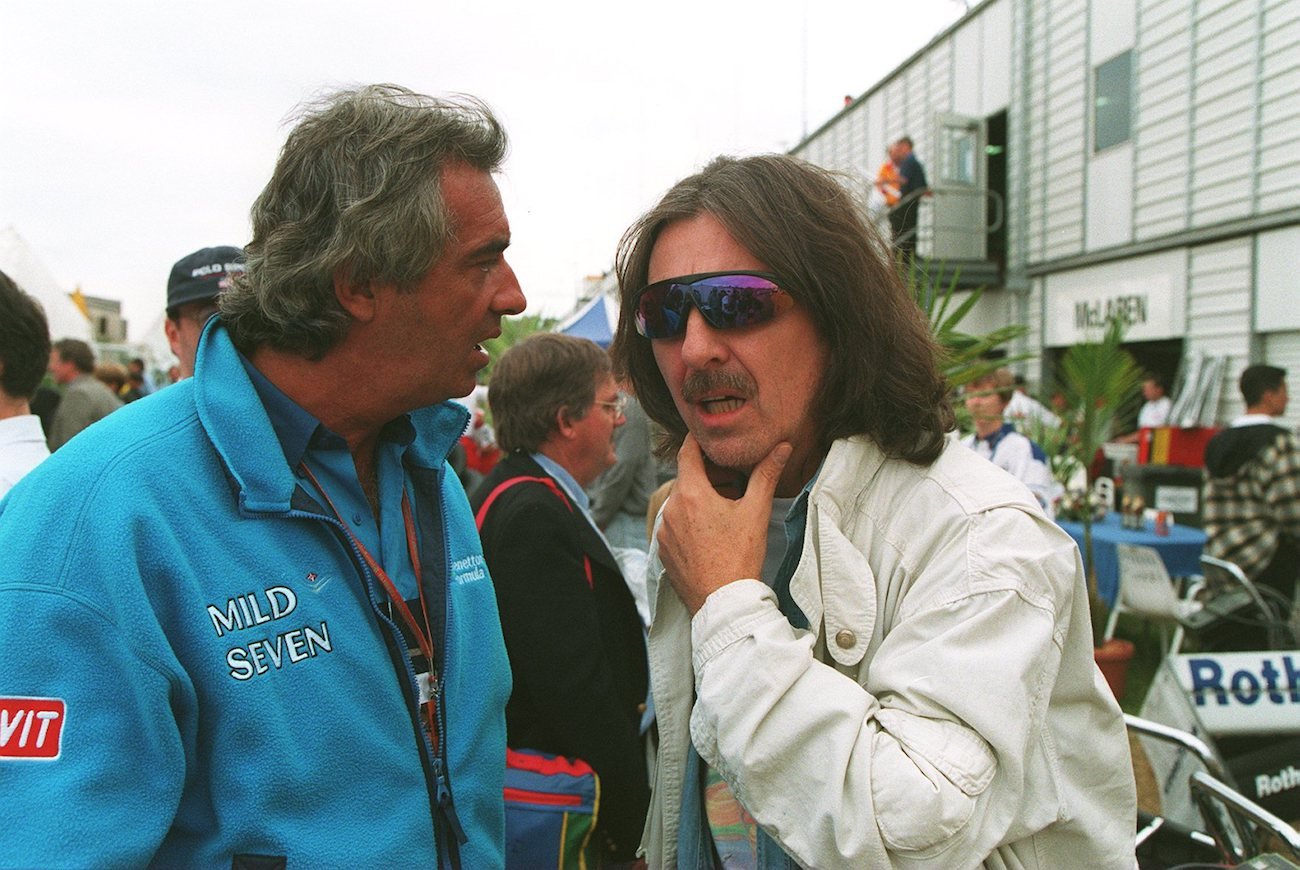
[203,275]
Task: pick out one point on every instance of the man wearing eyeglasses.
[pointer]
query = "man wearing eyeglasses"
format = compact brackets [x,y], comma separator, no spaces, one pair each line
[247,622]
[575,640]
[869,647]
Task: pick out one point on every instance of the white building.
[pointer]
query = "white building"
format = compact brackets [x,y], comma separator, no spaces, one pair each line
[1095,156]
[106,322]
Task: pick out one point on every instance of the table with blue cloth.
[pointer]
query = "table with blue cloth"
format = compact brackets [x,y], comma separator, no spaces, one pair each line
[1180,549]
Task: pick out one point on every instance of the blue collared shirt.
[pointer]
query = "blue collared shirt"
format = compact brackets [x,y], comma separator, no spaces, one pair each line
[307,441]
[572,488]
[561,474]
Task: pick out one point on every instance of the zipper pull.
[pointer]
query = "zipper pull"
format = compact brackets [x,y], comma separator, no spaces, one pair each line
[445,805]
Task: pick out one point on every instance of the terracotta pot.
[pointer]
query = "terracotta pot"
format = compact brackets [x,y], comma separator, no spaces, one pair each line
[1113,657]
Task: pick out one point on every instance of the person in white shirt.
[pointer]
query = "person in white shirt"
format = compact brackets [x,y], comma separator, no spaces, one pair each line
[1024,410]
[987,399]
[24,353]
[1155,410]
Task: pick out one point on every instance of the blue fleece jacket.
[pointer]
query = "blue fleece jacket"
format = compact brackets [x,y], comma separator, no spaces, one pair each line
[194,665]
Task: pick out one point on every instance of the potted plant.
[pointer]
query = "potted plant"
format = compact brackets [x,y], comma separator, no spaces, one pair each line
[1098,381]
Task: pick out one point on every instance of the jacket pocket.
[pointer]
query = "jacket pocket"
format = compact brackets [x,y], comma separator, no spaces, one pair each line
[926,776]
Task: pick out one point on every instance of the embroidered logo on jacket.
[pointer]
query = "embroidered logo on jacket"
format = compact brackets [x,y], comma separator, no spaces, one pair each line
[470,569]
[31,729]
[260,656]
[315,582]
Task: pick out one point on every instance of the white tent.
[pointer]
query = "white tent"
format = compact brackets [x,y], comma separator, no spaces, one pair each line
[154,348]
[19,262]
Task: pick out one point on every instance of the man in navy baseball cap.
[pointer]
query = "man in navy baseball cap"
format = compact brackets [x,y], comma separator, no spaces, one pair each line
[192,290]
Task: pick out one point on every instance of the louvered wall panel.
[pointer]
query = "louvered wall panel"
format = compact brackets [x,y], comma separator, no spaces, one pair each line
[1219,310]
[1223,110]
[1161,153]
[1067,134]
[1279,109]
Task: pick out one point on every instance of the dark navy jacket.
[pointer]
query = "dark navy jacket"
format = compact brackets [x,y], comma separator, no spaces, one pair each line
[577,648]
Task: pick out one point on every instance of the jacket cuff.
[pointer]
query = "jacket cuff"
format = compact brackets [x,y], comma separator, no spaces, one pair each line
[729,614]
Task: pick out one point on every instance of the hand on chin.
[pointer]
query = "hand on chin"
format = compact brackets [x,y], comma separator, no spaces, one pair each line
[729,482]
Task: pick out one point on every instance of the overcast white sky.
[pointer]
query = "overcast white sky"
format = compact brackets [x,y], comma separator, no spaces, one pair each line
[134,132]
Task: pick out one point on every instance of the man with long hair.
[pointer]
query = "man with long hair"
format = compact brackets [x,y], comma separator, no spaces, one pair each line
[869,646]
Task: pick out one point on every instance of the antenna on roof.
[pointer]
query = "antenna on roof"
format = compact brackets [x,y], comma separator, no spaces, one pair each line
[803,74]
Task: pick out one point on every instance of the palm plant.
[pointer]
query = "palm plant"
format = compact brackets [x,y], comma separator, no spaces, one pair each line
[1099,382]
[965,355]
[1055,439]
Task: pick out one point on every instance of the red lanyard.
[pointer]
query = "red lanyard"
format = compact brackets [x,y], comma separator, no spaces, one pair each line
[424,638]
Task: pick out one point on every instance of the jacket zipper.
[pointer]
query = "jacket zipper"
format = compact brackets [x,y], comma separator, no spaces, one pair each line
[445,804]
[442,793]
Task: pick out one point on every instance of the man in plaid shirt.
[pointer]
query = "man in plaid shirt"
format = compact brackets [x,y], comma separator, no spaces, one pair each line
[1252,495]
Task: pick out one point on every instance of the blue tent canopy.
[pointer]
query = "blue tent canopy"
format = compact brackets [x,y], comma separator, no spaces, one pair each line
[595,320]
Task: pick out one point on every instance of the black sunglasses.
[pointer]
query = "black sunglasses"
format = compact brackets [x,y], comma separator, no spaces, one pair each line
[726,300]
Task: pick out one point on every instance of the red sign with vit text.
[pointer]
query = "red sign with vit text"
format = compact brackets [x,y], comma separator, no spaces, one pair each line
[31,729]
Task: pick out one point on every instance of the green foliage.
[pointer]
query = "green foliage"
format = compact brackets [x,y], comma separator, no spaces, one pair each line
[964,354]
[1100,381]
[513,331]
[1062,460]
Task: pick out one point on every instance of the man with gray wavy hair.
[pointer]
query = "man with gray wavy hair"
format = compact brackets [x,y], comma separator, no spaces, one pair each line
[265,629]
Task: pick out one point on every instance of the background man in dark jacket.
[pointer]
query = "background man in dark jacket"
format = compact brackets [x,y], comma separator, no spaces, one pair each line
[903,216]
[1252,493]
[572,631]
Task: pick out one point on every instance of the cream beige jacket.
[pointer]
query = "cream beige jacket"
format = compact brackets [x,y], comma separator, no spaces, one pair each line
[945,710]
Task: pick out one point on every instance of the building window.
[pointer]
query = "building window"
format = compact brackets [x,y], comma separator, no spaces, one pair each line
[1112,120]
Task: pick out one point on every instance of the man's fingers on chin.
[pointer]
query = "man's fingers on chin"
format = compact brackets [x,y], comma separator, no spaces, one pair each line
[690,461]
[768,472]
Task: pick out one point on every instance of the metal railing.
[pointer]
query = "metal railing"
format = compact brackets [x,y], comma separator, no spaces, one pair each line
[1240,828]
[937,225]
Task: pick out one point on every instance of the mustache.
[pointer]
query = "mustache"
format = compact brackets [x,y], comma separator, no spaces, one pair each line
[701,383]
